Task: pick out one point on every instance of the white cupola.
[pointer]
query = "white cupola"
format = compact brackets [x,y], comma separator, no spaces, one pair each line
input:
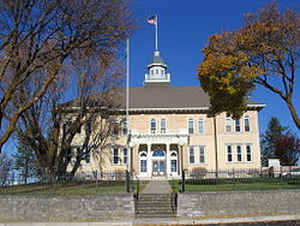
[157,70]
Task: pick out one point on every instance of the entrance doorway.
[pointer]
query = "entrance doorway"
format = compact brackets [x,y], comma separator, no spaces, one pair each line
[158,168]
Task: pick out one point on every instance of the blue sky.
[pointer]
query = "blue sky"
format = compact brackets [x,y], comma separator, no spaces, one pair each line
[184,29]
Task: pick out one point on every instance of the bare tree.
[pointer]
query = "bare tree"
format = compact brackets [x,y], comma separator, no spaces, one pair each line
[37,39]
[52,129]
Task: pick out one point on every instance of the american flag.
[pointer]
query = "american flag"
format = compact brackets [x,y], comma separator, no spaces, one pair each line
[152,20]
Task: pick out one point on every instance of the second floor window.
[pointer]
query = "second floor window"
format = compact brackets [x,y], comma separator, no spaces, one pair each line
[228,124]
[247,124]
[191,126]
[163,125]
[201,126]
[237,125]
[124,128]
[153,126]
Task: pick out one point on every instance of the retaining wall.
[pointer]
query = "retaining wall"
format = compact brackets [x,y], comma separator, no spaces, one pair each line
[47,209]
[212,204]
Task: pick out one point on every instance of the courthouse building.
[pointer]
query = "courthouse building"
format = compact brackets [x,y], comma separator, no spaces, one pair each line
[170,132]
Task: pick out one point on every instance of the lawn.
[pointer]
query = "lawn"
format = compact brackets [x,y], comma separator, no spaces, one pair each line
[175,185]
[70,189]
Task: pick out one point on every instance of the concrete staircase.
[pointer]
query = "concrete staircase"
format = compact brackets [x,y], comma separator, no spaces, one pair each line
[155,206]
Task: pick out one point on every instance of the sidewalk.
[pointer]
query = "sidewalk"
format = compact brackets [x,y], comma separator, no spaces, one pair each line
[178,221]
[157,187]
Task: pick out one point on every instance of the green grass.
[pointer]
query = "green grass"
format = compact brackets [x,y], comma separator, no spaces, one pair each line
[72,189]
[175,185]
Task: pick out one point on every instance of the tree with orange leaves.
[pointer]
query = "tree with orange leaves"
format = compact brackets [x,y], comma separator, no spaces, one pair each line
[265,51]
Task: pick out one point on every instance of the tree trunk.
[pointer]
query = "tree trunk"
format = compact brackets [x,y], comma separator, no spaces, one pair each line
[293,113]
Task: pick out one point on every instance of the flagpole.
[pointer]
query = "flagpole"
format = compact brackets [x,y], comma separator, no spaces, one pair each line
[127,86]
[156,33]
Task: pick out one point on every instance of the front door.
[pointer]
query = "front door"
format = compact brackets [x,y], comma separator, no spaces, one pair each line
[158,168]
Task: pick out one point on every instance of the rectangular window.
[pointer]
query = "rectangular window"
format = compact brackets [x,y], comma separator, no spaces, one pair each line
[229,153]
[228,125]
[237,125]
[153,126]
[124,128]
[192,155]
[173,166]
[201,126]
[202,154]
[247,124]
[191,126]
[143,166]
[239,153]
[115,129]
[163,125]
[125,155]
[249,154]
[116,156]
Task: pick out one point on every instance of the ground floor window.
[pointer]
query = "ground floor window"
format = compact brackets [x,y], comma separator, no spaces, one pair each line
[125,155]
[116,156]
[229,153]
[202,154]
[143,166]
[249,155]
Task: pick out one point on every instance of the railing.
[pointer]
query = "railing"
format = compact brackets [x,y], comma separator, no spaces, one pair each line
[158,132]
[94,183]
[201,176]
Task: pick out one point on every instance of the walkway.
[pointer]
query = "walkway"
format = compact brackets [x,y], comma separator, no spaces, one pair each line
[157,187]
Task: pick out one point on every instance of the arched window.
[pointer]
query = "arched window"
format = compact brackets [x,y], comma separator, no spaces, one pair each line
[173,161]
[143,162]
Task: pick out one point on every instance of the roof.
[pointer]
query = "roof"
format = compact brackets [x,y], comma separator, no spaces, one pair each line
[163,96]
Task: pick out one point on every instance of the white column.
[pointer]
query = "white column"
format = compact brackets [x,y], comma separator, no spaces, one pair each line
[149,162]
[168,165]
